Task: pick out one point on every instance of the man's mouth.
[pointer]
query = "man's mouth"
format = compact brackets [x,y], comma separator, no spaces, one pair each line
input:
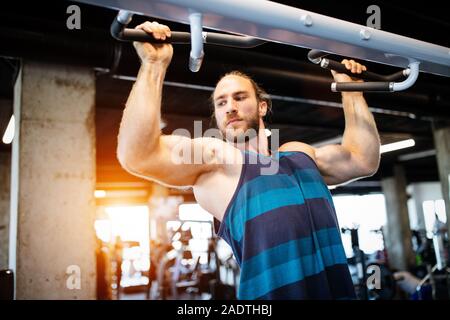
[233,120]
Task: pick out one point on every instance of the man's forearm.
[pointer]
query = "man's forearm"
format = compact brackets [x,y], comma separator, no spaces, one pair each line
[361,134]
[140,127]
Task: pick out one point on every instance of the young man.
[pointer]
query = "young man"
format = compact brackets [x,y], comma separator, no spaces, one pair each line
[281,226]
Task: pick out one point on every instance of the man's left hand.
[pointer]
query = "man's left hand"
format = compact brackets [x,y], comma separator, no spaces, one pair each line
[351,65]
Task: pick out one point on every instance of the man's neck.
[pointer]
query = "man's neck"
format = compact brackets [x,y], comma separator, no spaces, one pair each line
[258,144]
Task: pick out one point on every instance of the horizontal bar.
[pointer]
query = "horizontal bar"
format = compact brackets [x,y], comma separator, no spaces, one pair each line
[318,57]
[280,23]
[364,86]
[385,83]
[312,102]
[119,32]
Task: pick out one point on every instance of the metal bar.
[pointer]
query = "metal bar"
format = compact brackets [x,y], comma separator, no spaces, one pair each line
[280,23]
[364,75]
[417,155]
[121,33]
[196,38]
[380,86]
[197,53]
[410,80]
[313,102]
[425,279]
[318,57]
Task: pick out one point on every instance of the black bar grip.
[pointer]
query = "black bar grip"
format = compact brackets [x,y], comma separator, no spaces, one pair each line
[361,86]
[232,41]
[119,32]
[395,76]
[317,57]
[339,67]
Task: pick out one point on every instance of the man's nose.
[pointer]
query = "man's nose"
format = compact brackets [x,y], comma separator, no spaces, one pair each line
[231,106]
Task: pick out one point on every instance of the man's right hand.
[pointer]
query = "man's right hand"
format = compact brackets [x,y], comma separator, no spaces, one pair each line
[152,53]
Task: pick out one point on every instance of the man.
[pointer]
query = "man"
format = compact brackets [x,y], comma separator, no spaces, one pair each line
[282,227]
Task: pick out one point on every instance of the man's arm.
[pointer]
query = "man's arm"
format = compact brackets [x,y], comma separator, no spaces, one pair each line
[142,149]
[359,153]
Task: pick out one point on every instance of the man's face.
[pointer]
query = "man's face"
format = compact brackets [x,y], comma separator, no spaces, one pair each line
[236,108]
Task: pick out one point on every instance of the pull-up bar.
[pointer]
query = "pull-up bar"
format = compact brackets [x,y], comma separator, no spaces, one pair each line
[383,83]
[197,38]
[276,22]
[121,33]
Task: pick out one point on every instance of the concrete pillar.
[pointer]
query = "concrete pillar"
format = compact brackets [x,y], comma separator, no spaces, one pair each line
[397,232]
[52,242]
[5,174]
[6,106]
[442,144]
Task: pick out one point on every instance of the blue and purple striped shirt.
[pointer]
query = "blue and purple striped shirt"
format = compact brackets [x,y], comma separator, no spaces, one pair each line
[284,233]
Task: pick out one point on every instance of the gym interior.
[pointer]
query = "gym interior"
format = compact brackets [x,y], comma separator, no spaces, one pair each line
[74,224]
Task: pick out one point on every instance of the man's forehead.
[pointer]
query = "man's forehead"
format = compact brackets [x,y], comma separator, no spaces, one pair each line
[231,84]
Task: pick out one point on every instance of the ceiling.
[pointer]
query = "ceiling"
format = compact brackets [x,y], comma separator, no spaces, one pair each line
[304,109]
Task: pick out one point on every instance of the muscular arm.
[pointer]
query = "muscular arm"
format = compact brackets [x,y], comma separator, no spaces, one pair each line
[142,149]
[359,153]
[139,133]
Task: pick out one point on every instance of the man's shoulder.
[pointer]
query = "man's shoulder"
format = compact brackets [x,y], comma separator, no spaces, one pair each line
[218,151]
[297,146]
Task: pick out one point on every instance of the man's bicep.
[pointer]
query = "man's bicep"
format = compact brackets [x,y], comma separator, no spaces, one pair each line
[177,161]
[331,160]
[338,165]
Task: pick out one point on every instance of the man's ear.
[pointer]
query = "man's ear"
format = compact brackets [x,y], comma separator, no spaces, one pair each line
[262,108]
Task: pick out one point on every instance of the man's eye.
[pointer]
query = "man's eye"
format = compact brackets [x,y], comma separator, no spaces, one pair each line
[220,103]
[239,98]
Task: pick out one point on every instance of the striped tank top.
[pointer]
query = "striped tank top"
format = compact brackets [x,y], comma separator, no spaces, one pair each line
[284,233]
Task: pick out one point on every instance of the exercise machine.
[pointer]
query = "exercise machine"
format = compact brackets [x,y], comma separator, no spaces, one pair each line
[255,22]
[365,267]
[177,279]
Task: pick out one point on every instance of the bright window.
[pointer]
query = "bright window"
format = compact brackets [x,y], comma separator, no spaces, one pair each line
[367,213]
[131,224]
[201,224]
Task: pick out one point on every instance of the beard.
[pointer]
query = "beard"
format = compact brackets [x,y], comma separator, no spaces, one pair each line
[241,136]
